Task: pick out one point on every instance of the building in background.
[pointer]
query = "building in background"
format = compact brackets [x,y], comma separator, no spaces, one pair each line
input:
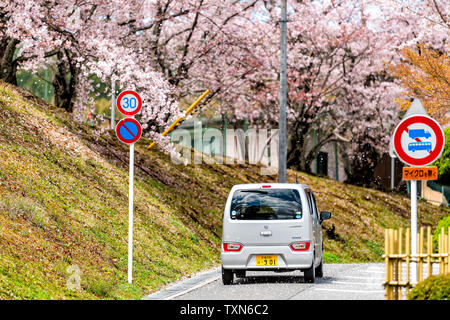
[240,143]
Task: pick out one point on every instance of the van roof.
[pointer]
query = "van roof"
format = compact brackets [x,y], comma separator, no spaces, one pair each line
[272,185]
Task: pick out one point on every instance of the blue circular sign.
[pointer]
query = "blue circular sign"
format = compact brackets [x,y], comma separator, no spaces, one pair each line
[128,130]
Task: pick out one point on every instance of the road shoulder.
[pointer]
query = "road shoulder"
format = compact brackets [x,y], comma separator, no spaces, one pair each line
[186,285]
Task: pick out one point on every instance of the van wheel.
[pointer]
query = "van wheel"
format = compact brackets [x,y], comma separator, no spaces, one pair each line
[227,276]
[310,273]
[319,269]
[240,273]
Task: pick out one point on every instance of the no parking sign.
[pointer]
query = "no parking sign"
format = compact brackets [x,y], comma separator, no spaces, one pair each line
[128,130]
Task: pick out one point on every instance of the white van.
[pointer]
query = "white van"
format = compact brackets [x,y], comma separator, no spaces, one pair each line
[274,227]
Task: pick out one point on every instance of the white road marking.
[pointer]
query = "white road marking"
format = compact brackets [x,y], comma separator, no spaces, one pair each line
[358,283]
[204,283]
[353,291]
[367,278]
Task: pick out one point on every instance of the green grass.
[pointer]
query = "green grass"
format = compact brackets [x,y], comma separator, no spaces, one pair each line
[331,258]
[64,204]
[17,206]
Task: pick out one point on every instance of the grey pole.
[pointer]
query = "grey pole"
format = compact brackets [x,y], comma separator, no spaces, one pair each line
[113,104]
[283,97]
[46,84]
[392,173]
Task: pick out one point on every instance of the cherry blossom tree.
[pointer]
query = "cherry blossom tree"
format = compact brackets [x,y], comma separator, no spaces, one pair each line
[336,79]
[198,45]
[424,67]
[87,38]
[170,50]
[167,50]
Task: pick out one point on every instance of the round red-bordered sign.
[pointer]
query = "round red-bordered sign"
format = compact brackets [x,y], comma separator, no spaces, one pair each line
[129,103]
[404,146]
[128,130]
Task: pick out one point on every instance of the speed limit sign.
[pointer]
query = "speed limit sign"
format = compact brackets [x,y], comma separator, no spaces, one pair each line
[129,103]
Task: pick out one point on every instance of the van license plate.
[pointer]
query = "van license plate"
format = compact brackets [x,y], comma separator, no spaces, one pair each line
[267,260]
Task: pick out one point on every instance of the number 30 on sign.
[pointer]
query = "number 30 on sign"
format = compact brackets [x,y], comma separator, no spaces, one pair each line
[129,103]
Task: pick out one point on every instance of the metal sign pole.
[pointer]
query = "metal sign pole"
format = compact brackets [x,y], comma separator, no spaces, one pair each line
[414,228]
[392,173]
[129,131]
[130,216]
[113,104]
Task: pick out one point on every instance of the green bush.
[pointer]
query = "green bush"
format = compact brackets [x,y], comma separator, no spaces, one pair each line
[432,288]
[443,163]
[443,223]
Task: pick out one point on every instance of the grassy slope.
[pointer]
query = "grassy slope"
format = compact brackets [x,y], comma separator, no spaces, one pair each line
[64,202]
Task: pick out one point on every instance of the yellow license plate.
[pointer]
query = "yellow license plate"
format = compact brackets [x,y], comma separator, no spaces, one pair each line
[266,260]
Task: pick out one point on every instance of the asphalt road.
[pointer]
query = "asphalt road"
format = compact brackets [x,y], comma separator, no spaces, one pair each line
[340,282]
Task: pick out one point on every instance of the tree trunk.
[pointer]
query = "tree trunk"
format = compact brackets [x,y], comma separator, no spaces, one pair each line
[64,82]
[297,157]
[360,167]
[8,66]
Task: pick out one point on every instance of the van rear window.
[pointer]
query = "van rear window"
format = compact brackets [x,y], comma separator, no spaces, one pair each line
[267,204]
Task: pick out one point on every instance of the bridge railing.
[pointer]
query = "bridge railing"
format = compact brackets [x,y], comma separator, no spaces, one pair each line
[403,269]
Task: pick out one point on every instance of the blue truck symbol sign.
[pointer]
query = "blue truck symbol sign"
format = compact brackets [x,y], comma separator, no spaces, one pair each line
[419,133]
[418,145]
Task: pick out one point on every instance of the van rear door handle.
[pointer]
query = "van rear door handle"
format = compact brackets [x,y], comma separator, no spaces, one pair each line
[266,233]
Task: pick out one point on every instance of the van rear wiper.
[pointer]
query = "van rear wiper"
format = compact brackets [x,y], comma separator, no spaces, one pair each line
[255,191]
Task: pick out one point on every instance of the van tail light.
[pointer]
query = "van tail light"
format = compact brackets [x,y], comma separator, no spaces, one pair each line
[300,246]
[266,186]
[232,247]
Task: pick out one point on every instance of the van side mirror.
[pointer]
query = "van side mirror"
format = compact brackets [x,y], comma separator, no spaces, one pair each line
[325,215]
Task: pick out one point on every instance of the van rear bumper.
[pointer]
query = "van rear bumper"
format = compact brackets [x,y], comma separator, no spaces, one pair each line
[286,258]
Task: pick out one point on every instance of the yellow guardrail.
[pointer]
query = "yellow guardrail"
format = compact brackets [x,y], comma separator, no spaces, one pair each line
[180,119]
